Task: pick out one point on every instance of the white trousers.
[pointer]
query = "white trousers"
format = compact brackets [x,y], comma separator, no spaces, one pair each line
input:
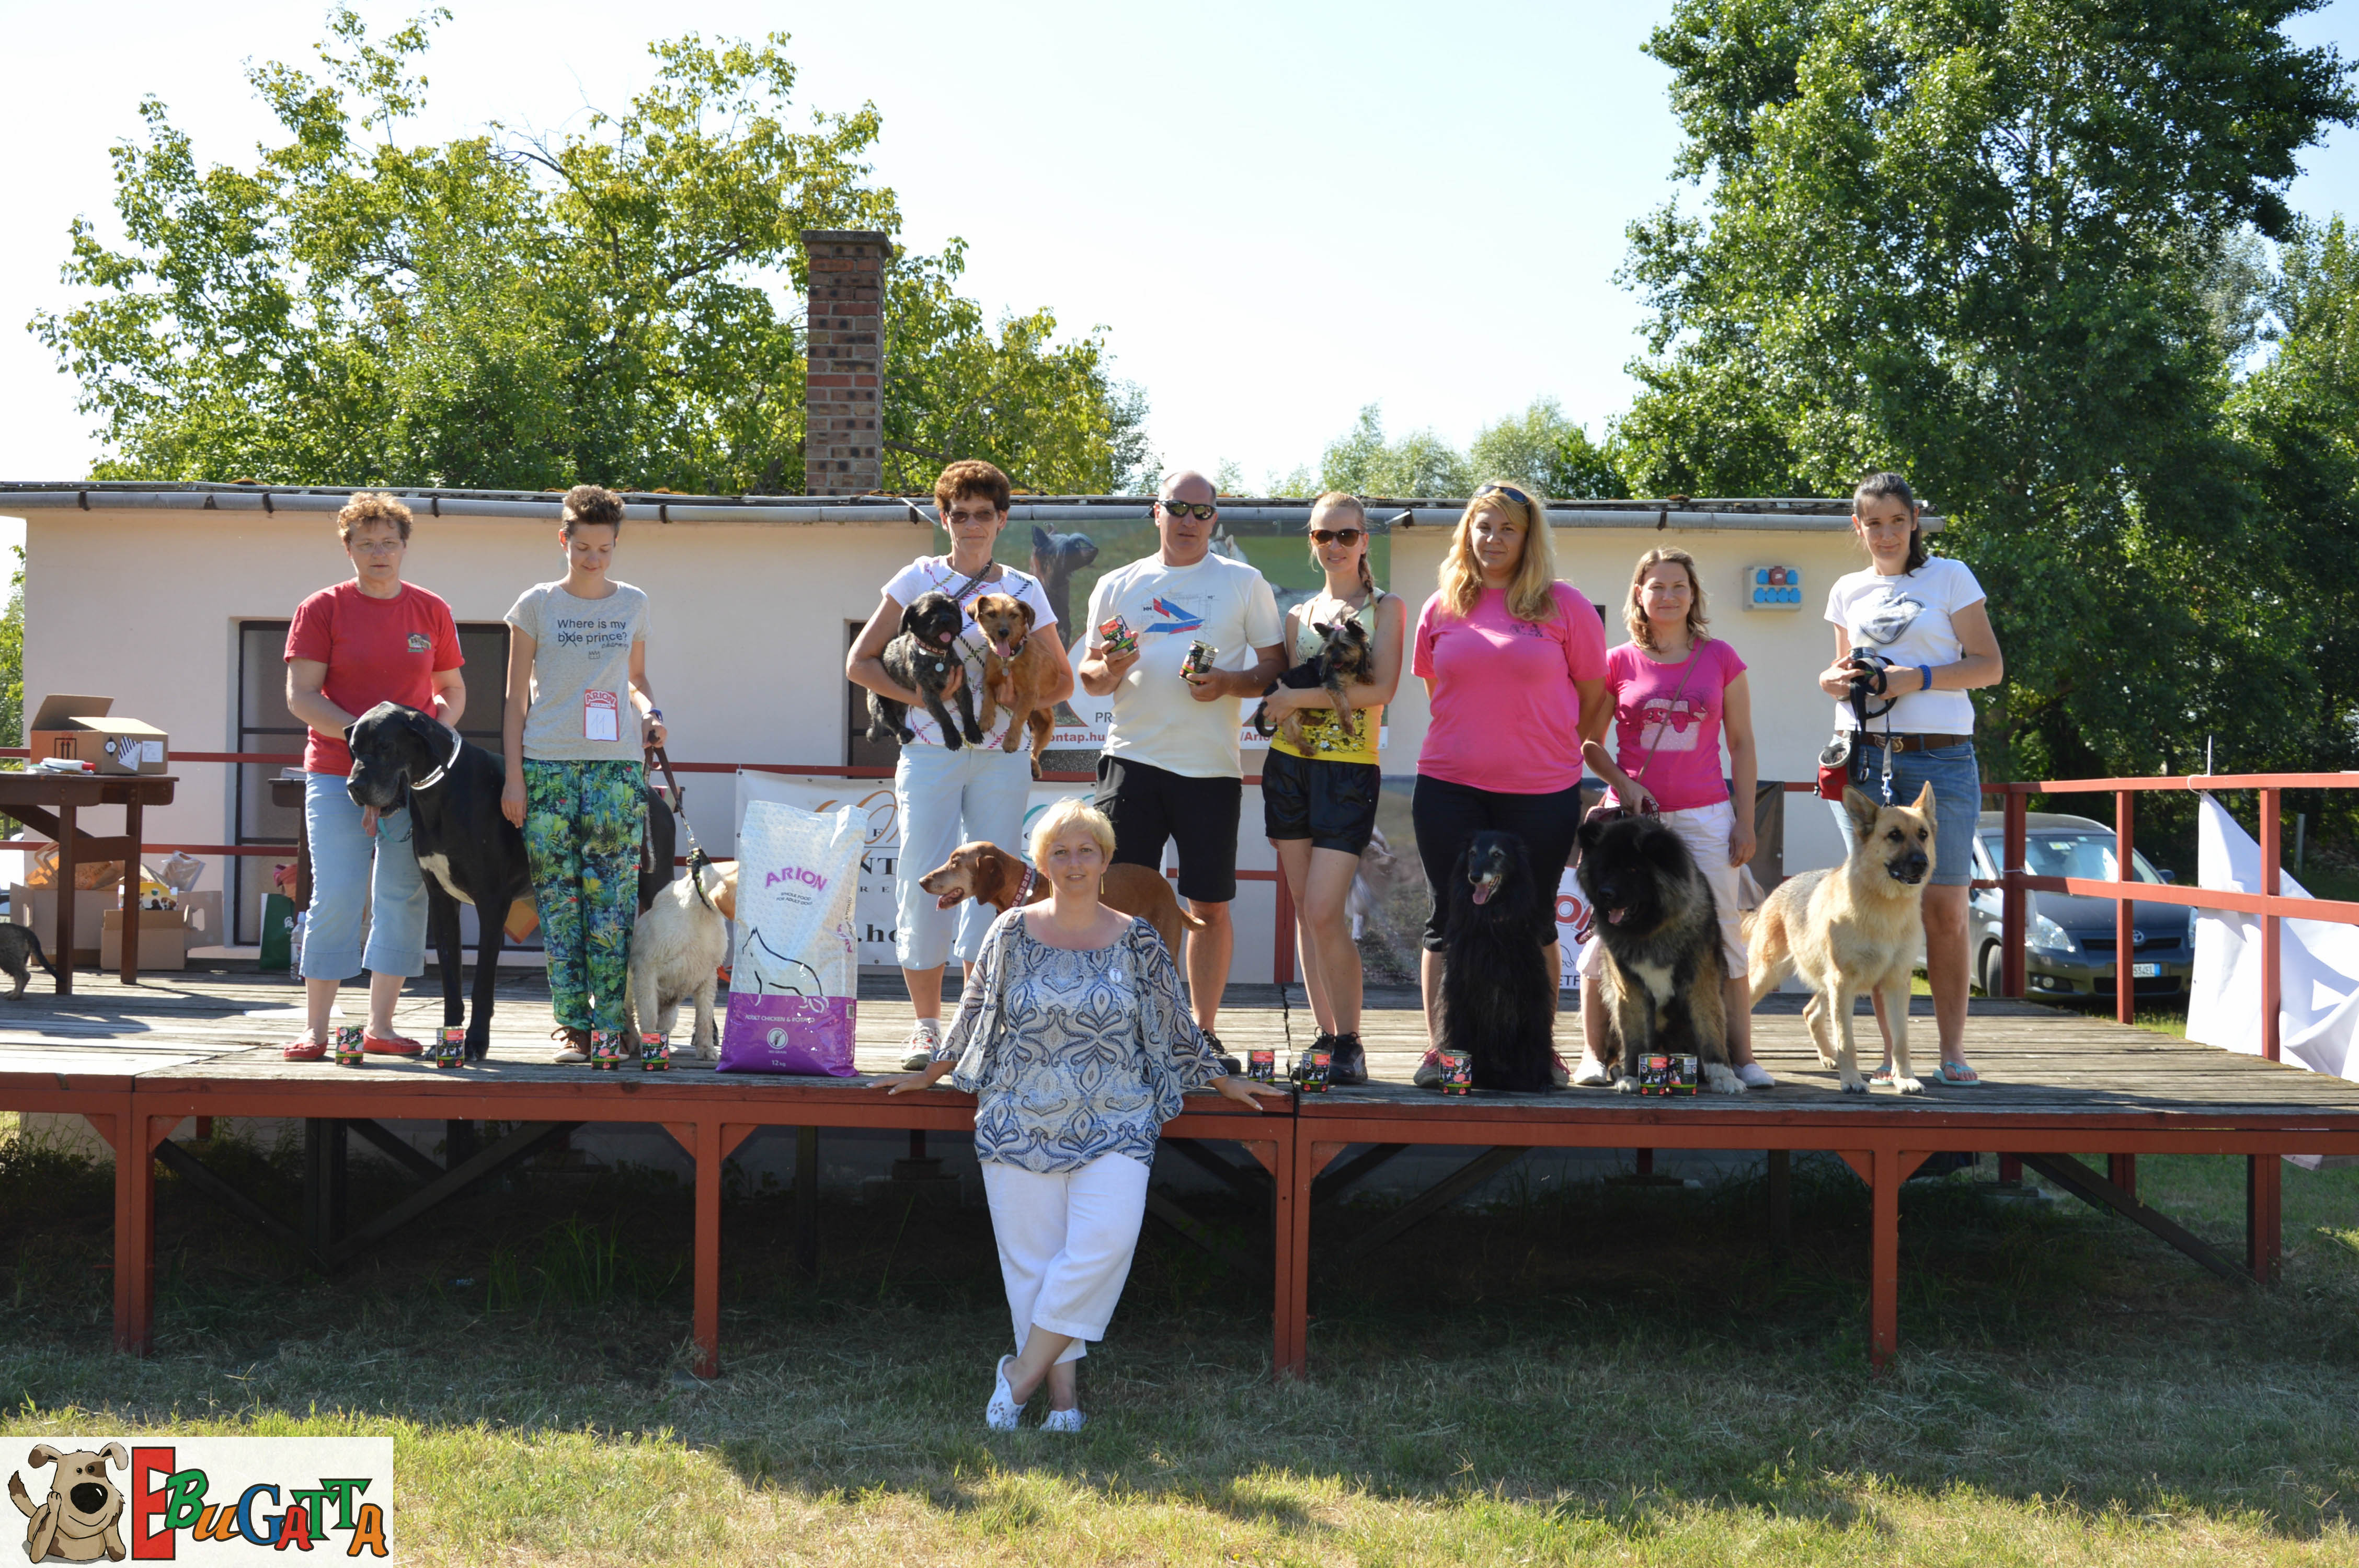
[1065,1243]
[1706,829]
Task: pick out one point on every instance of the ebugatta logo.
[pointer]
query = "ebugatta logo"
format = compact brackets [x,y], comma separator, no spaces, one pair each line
[206,1500]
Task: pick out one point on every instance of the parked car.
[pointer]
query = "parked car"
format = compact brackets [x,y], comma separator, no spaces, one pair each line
[2068,940]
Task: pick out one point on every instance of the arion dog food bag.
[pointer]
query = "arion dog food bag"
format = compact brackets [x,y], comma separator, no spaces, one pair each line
[796,972]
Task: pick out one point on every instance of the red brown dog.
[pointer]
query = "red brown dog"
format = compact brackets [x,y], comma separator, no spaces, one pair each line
[1015,669]
[989,874]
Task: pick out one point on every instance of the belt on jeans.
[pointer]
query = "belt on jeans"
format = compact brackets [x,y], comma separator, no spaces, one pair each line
[1910,743]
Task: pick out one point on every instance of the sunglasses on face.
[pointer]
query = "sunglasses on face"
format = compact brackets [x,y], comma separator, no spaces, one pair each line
[1509,490]
[1205,510]
[1334,535]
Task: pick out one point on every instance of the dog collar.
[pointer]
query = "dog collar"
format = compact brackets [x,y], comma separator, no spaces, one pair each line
[1023,892]
[430,779]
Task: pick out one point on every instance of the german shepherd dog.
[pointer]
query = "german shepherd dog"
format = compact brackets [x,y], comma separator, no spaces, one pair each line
[1498,999]
[925,659]
[1015,668]
[1854,928]
[1348,655]
[1664,978]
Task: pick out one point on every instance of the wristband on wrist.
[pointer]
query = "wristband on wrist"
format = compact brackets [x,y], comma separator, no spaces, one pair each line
[1926,671]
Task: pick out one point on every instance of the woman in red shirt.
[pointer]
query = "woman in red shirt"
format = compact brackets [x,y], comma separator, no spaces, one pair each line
[374,639]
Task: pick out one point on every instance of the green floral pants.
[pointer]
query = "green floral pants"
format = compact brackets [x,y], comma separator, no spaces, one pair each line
[582,824]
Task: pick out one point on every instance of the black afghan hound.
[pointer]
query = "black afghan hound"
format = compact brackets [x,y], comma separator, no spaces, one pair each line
[1497,996]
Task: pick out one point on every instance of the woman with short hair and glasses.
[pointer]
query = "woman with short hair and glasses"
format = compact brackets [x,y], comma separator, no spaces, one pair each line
[1318,797]
[1514,662]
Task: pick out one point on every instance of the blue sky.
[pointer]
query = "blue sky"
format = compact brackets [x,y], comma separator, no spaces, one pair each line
[1282,212]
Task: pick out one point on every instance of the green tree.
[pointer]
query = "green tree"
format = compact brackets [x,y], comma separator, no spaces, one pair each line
[1981,241]
[618,303]
[1543,450]
[1364,462]
[12,660]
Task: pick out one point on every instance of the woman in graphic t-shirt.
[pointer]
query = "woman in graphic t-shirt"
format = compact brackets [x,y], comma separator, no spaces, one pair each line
[374,639]
[948,793]
[1514,663]
[1676,691]
[1927,619]
[579,715]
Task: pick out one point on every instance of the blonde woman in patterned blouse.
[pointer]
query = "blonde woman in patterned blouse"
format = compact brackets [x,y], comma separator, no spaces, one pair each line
[1077,1044]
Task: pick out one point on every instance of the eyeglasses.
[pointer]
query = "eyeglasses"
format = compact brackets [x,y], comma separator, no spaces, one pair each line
[989,515]
[1205,510]
[1335,535]
[377,546]
[1509,490]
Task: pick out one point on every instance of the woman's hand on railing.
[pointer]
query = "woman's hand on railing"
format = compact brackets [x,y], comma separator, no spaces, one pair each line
[1245,1091]
[924,1077]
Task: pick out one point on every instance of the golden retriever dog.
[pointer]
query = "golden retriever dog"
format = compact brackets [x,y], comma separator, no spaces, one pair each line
[989,874]
[81,1520]
[1015,670]
[1856,929]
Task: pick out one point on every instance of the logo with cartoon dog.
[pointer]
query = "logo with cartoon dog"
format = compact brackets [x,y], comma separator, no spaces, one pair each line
[81,1518]
[215,1499]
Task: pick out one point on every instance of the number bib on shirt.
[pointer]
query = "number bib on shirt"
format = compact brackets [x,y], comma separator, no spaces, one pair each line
[601,715]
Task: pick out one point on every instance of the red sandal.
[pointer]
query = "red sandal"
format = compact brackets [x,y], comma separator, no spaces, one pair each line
[310,1048]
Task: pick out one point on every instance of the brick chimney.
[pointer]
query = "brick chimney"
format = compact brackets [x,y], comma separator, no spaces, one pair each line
[843,369]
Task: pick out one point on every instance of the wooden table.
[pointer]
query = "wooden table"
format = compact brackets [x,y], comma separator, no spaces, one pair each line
[49,803]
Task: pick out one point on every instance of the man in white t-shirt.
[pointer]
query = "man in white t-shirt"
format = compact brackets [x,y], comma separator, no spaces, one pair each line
[1171,770]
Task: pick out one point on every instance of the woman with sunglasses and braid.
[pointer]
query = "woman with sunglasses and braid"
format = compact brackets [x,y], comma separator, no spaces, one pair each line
[1319,799]
[1514,663]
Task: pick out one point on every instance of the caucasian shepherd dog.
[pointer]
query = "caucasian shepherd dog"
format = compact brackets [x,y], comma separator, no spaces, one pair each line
[1664,977]
[1853,929]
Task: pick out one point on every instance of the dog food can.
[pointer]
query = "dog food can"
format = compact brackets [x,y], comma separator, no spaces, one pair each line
[1654,1075]
[1261,1063]
[348,1045]
[1316,1065]
[655,1053]
[1457,1073]
[1115,636]
[605,1050]
[1683,1075]
[450,1048]
[1199,660]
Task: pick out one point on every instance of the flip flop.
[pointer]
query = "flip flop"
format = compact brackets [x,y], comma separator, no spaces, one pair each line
[1882,1075]
[1958,1073]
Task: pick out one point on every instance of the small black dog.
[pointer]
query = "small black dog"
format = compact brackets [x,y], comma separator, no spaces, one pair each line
[1664,973]
[1499,1001]
[1348,655]
[18,942]
[924,658]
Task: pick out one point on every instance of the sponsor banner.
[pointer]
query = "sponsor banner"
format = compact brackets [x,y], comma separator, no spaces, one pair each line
[96,1497]
[1573,927]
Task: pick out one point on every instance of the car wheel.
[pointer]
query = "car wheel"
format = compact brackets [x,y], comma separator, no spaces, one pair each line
[1994,969]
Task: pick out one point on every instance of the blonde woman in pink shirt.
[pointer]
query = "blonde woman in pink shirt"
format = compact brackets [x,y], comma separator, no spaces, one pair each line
[1514,665]
[1677,692]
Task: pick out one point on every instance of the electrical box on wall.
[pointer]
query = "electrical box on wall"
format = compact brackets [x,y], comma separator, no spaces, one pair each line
[1773,588]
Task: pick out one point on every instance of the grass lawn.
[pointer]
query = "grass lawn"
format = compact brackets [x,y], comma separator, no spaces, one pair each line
[1592,1373]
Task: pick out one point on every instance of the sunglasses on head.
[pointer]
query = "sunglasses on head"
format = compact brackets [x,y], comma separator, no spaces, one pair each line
[1509,490]
[1205,510]
[1335,535]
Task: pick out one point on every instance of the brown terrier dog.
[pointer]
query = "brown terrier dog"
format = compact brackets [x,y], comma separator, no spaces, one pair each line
[989,874]
[1014,671]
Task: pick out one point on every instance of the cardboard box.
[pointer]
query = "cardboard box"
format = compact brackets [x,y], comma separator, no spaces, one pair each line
[202,912]
[163,939]
[37,907]
[79,727]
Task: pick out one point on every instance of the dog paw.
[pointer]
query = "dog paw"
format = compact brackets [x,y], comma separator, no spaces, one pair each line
[974,734]
[1721,1080]
[1626,1086]
[1908,1085]
[1853,1084]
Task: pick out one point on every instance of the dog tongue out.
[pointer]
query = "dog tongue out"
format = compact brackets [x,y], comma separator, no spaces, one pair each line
[1618,915]
[1483,892]
[948,899]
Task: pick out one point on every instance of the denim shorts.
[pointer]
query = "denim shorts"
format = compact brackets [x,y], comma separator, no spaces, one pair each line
[1957,781]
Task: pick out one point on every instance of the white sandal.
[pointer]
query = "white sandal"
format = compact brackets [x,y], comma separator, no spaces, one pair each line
[1064,1420]
[1000,1414]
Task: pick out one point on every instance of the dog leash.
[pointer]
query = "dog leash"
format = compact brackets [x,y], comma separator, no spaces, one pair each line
[697,858]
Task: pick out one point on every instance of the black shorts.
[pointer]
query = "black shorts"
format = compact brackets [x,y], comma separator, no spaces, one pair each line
[1446,815]
[1150,806]
[1334,804]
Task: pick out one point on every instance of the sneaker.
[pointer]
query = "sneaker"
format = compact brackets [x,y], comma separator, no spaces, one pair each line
[1560,1070]
[1592,1074]
[1350,1063]
[1064,1420]
[924,1036]
[1431,1070]
[1229,1064]
[309,1048]
[576,1049]
[388,1044]
[1754,1076]
[1001,1413]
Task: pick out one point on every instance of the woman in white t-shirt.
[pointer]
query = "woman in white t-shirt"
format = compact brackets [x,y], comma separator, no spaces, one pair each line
[949,795]
[1926,617]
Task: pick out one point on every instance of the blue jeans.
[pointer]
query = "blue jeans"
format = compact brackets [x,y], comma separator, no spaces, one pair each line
[945,798]
[350,870]
[1957,782]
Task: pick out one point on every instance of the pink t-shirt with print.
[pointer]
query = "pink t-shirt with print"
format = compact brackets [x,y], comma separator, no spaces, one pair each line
[1506,715]
[1651,708]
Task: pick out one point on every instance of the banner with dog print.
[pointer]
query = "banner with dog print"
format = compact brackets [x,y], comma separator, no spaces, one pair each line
[796,973]
[872,803]
[98,1498]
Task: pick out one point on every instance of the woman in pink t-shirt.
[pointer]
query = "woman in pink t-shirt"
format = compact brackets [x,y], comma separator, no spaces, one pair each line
[1514,665]
[1676,691]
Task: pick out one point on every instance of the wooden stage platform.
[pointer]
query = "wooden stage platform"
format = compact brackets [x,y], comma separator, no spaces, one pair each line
[140,1061]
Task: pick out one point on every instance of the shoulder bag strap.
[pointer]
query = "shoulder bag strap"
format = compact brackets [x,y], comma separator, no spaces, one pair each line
[1695,652]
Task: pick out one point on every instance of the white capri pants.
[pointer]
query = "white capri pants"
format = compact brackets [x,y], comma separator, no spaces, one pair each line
[1706,829]
[944,798]
[1065,1243]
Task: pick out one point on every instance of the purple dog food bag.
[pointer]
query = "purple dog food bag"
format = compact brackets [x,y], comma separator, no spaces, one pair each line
[792,981]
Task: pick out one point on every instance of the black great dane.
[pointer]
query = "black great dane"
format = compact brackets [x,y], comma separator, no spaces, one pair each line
[468,852]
